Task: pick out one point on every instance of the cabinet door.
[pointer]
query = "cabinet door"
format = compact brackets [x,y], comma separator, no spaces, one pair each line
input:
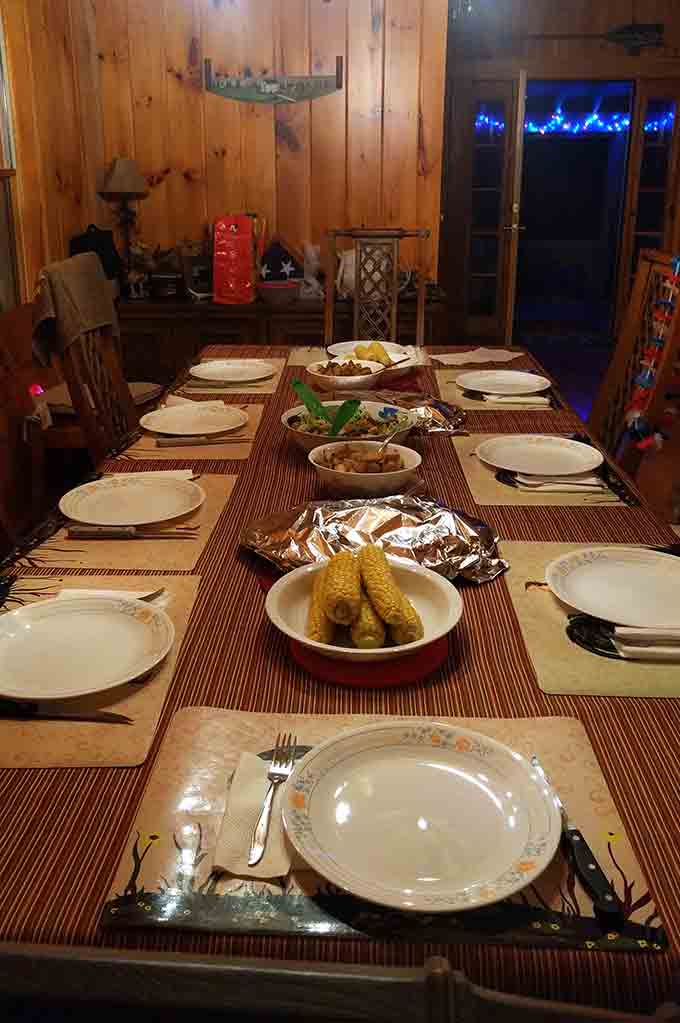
[650,219]
[297,329]
[231,330]
[148,351]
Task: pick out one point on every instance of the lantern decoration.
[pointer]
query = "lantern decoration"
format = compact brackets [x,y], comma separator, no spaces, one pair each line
[237,238]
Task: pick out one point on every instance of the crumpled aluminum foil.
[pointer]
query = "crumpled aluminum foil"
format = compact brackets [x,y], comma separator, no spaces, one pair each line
[431,414]
[407,527]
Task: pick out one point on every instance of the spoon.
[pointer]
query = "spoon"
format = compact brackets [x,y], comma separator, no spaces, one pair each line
[390,436]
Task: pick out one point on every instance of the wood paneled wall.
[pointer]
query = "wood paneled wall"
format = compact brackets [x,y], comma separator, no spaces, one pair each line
[95,79]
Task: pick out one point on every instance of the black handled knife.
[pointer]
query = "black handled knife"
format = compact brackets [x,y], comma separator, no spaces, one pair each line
[607,906]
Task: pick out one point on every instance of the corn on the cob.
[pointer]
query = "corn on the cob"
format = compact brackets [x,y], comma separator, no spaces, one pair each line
[342,589]
[319,627]
[379,583]
[378,354]
[368,631]
[412,629]
[362,352]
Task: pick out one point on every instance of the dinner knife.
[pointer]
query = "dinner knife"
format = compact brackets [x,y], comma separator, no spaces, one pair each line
[607,906]
[122,533]
[28,710]
[187,442]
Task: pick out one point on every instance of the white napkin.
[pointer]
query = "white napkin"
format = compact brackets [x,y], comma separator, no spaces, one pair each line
[177,399]
[246,796]
[477,355]
[647,644]
[588,479]
[180,474]
[584,484]
[535,400]
[568,488]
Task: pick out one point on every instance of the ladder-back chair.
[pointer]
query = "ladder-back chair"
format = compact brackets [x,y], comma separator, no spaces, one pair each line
[376,286]
[83,348]
[640,328]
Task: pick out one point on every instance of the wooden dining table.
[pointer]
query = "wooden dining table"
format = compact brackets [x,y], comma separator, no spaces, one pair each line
[62,831]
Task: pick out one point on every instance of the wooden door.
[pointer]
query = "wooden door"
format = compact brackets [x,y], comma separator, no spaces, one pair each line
[481,194]
[650,216]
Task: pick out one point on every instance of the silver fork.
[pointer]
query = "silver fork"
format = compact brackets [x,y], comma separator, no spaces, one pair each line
[281,769]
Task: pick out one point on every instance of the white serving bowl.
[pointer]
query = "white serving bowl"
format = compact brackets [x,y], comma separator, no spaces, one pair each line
[366,484]
[309,441]
[436,600]
[396,352]
[362,383]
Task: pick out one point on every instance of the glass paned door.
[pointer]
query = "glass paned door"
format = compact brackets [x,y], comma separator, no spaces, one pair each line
[482,170]
[651,220]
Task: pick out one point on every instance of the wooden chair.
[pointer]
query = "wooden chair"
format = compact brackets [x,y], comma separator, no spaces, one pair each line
[376,291]
[22,465]
[608,416]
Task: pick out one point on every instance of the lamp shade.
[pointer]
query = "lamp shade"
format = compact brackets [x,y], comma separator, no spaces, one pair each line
[123,180]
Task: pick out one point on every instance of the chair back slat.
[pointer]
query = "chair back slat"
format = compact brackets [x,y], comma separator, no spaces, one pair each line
[100,394]
[376,284]
[608,417]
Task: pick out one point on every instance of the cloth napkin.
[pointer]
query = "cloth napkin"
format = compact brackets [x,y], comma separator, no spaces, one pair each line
[177,399]
[477,355]
[647,644]
[561,484]
[535,400]
[246,796]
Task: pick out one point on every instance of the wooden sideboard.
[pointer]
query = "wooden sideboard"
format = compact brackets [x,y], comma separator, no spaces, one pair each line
[160,337]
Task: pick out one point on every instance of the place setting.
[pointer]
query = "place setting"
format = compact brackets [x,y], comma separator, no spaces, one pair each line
[224,375]
[160,519]
[85,665]
[496,390]
[284,833]
[598,621]
[196,430]
[539,469]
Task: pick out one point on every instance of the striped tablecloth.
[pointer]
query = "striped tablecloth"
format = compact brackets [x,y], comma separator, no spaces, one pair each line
[62,831]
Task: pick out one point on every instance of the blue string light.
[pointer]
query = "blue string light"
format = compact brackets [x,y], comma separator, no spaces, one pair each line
[560,123]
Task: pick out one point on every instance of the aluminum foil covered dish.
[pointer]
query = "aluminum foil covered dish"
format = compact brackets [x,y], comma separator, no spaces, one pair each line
[407,527]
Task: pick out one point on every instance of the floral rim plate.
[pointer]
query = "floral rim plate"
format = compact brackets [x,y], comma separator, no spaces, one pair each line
[193,420]
[131,502]
[502,381]
[624,585]
[233,371]
[422,816]
[57,649]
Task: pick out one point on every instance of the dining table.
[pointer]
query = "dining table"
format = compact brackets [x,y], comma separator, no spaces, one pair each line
[63,830]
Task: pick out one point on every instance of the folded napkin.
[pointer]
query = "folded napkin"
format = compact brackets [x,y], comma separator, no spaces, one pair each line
[180,474]
[477,355]
[561,484]
[647,644]
[177,399]
[246,796]
[535,400]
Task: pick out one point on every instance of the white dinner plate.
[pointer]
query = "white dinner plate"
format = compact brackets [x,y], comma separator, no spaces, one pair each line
[233,371]
[57,649]
[539,454]
[421,816]
[502,381]
[624,585]
[194,420]
[131,502]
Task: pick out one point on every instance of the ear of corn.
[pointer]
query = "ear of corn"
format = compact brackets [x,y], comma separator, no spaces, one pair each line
[319,627]
[368,631]
[379,583]
[342,589]
[412,629]
[378,354]
[362,352]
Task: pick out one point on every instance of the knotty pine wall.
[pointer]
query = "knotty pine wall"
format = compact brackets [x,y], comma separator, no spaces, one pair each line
[95,79]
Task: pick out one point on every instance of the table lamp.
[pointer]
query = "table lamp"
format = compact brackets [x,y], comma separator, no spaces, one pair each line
[122,182]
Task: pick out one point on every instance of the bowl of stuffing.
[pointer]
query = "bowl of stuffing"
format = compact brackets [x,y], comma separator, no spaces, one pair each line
[362,469]
[345,374]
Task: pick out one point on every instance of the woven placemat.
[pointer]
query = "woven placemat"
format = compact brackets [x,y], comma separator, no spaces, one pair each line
[487,490]
[450,391]
[560,665]
[145,448]
[160,555]
[85,744]
[194,386]
[165,875]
